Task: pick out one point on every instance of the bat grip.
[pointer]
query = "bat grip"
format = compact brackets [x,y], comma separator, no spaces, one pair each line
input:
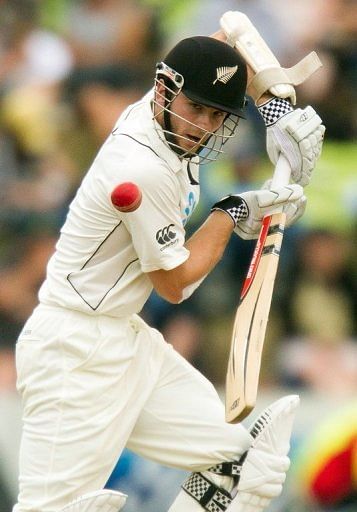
[281,176]
[282,172]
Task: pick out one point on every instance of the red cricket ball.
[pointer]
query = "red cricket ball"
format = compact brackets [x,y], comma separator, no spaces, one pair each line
[126,197]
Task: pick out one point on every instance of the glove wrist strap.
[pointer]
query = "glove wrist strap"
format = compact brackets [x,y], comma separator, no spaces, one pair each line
[274,109]
[234,206]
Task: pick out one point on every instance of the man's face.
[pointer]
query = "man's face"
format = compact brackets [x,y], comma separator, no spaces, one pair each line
[192,123]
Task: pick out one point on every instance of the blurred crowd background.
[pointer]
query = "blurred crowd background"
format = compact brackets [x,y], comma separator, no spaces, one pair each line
[67,71]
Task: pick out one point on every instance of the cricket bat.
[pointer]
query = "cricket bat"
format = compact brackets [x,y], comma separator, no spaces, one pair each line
[253,311]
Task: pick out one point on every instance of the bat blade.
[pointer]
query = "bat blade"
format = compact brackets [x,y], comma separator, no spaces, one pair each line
[251,321]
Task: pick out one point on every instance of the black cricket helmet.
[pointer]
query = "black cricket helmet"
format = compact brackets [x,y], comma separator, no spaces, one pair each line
[214,74]
[208,72]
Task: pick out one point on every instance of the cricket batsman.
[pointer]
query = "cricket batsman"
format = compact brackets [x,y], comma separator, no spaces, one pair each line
[93,376]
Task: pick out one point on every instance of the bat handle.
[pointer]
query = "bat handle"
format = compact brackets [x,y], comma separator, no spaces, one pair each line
[281,176]
[282,172]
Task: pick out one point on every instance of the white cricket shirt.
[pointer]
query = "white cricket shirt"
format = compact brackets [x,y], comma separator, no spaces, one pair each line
[102,254]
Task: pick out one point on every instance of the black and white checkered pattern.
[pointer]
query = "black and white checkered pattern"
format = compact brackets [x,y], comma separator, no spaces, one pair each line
[206,493]
[235,206]
[219,502]
[227,468]
[197,486]
[238,212]
[274,109]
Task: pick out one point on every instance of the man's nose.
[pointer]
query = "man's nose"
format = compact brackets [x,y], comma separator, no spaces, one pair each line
[206,122]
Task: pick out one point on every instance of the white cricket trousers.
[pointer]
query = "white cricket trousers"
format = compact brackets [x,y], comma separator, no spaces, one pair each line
[92,385]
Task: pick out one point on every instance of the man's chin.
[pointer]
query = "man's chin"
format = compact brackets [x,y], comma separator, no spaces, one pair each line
[191,149]
[181,149]
[184,147]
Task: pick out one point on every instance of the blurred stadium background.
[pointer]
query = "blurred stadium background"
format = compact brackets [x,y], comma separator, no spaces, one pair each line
[67,70]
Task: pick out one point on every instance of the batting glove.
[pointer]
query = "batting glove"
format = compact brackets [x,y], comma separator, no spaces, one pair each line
[293,210]
[297,134]
[248,209]
[264,468]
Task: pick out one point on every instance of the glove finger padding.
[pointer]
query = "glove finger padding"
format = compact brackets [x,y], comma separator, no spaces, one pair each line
[311,148]
[263,473]
[277,196]
[294,211]
[274,425]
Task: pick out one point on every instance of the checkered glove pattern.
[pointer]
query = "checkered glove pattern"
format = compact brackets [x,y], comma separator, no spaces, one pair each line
[228,468]
[274,109]
[206,493]
[234,206]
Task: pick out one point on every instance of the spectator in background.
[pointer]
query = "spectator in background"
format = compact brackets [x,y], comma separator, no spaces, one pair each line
[94,98]
[107,32]
[330,28]
[21,276]
[319,308]
[35,63]
[203,15]
[339,42]
[30,55]
[321,300]
[21,273]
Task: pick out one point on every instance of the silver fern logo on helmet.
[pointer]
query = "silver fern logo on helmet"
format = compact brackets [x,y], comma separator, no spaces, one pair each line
[225,73]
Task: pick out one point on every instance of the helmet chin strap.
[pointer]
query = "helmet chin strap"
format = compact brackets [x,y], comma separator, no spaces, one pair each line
[171,138]
[168,133]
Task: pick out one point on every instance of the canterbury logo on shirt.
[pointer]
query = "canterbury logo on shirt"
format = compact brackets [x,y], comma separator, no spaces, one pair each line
[165,235]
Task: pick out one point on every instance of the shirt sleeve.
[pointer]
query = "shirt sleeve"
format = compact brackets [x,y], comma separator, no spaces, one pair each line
[156,227]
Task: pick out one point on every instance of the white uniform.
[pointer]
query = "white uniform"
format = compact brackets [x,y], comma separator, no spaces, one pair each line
[102,254]
[94,377]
